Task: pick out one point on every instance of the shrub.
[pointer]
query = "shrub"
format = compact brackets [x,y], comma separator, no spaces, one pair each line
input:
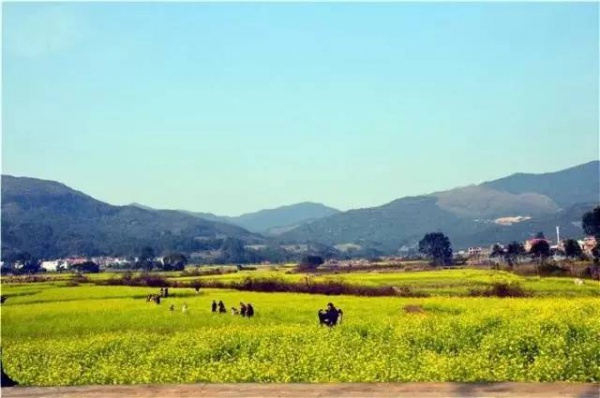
[142,280]
[310,262]
[550,267]
[205,272]
[500,289]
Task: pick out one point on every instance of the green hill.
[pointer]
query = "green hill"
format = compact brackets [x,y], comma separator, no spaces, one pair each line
[49,220]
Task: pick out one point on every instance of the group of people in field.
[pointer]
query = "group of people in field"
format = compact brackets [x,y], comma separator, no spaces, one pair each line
[329,316]
[245,310]
[164,293]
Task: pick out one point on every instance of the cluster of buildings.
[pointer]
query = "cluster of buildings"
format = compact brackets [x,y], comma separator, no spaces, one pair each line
[66,263]
[587,244]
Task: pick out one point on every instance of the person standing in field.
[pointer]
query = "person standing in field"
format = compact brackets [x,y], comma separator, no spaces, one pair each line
[242,309]
[213,307]
[222,309]
[249,311]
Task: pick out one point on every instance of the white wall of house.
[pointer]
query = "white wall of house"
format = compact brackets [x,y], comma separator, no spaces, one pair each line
[51,265]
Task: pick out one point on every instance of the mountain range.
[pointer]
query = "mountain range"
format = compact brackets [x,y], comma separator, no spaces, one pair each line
[269,221]
[49,219]
[467,214]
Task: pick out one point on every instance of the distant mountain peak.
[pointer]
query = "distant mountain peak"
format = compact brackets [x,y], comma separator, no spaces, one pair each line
[141,206]
[283,217]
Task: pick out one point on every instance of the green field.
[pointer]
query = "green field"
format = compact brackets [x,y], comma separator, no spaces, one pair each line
[55,334]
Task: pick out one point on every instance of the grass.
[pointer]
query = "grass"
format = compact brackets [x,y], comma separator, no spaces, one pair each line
[54,334]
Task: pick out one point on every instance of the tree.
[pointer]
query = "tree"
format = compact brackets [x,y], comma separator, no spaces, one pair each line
[591,222]
[88,266]
[513,251]
[436,246]
[591,226]
[572,248]
[145,259]
[23,263]
[147,253]
[497,251]
[540,249]
[233,252]
[174,262]
[310,262]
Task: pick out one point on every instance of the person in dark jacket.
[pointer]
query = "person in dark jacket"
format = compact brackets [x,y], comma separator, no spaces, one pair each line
[242,309]
[213,306]
[249,310]
[330,316]
[222,309]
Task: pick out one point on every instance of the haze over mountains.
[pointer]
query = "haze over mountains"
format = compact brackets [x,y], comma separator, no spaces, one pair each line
[49,219]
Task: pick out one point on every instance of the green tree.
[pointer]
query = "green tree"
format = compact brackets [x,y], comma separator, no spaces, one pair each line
[146,259]
[591,222]
[497,251]
[540,249]
[174,262]
[572,248]
[88,266]
[23,263]
[147,253]
[310,262]
[436,246]
[591,226]
[513,251]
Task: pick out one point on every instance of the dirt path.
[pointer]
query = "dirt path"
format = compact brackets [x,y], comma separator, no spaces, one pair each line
[387,390]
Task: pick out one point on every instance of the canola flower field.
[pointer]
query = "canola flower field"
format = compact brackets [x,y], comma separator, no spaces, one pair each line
[55,334]
[444,282]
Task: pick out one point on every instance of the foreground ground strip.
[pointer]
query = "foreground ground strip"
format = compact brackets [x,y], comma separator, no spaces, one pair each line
[375,390]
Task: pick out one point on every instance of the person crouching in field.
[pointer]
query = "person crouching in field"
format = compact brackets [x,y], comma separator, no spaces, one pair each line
[153,297]
[331,316]
[249,310]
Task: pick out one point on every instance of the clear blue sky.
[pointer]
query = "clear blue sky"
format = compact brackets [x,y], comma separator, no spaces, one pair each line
[231,108]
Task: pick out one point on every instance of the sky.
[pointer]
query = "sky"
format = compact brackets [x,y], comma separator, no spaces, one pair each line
[230,108]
